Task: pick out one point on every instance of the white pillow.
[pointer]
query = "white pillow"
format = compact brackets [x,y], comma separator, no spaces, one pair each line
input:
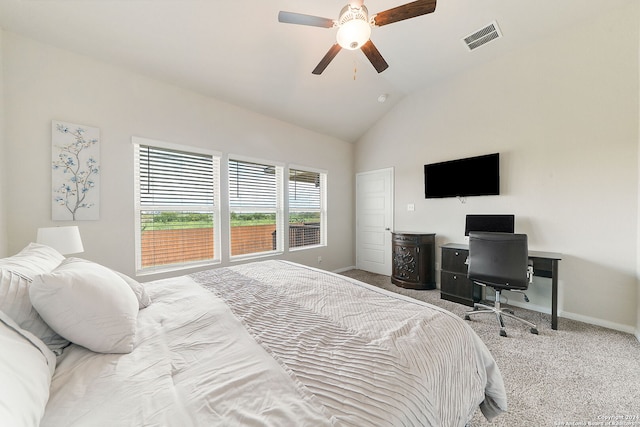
[33,259]
[26,367]
[144,300]
[88,304]
[15,302]
[16,273]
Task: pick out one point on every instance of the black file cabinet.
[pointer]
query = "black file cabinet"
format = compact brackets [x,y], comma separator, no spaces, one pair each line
[454,284]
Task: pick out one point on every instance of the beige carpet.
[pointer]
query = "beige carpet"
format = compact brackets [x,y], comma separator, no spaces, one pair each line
[579,375]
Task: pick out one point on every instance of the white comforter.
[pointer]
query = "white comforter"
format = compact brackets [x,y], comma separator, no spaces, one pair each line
[278,344]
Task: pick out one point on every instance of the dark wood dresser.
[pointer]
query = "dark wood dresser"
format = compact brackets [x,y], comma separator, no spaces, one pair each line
[413,260]
[454,284]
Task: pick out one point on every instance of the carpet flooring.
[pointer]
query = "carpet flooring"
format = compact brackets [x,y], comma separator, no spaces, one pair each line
[578,375]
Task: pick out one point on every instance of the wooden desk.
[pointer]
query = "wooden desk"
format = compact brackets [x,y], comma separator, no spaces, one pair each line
[462,290]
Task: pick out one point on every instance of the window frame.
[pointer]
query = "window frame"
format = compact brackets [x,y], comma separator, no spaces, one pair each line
[215,210]
[323,175]
[278,209]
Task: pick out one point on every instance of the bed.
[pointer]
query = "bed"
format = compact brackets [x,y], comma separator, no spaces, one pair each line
[269,343]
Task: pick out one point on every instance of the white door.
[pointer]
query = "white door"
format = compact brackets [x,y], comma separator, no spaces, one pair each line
[374,220]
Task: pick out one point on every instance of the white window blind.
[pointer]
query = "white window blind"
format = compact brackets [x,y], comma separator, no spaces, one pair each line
[177,208]
[169,177]
[307,215]
[255,206]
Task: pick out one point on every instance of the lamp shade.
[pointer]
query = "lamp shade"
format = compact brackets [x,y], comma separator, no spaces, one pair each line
[65,240]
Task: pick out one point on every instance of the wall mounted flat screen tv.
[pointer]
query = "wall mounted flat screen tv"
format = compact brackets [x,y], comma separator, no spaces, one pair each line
[471,176]
[500,223]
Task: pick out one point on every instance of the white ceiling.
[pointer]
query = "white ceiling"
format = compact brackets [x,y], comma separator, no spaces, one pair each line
[236,51]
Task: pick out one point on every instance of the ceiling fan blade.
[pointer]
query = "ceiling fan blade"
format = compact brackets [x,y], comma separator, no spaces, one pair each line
[372,52]
[327,59]
[406,11]
[300,19]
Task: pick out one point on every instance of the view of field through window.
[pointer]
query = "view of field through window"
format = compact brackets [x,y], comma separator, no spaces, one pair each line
[192,234]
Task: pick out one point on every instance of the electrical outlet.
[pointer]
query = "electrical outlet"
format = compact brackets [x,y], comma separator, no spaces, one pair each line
[319,260]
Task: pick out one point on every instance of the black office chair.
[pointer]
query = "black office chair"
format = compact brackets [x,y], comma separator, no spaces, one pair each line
[500,261]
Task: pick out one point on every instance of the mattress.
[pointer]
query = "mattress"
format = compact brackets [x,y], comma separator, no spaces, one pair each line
[275,343]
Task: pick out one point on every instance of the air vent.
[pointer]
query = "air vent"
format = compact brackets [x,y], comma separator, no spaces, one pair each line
[482,36]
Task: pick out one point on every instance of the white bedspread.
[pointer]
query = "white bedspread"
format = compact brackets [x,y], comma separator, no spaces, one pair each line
[277,344]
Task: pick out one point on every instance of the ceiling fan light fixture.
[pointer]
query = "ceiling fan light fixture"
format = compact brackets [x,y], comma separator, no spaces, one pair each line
[354,28]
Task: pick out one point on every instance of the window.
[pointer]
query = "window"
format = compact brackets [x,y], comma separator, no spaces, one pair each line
[255,208]
[307,212]
[177,206]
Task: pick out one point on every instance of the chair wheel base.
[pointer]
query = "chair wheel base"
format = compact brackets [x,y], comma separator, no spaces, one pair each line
[503,333]
[534,331]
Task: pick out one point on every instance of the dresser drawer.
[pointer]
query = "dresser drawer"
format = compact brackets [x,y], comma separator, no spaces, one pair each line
[458,284]
[408,239]
[457,288]
[454,260]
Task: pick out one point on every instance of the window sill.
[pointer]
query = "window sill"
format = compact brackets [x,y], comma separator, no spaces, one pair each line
[175,267]
[302,248]
[247,257]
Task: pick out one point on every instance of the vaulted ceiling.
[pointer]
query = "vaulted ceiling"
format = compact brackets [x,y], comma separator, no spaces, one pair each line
[238,52]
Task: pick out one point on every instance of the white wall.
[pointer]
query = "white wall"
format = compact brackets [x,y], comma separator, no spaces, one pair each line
[43,83]
[3,203]
[563,113]
[638,241]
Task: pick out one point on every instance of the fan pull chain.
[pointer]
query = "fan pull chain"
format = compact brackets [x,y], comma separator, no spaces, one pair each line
[355,70]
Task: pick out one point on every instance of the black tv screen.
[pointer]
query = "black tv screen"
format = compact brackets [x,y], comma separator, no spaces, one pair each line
[501,223]
[472,176]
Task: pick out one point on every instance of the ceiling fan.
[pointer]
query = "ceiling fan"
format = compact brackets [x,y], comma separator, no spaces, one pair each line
[354,28]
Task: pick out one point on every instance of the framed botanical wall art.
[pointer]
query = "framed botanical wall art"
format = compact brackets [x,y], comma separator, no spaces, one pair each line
[75,161]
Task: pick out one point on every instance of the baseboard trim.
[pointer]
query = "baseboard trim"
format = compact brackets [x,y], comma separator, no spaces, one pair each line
[529,306]
[599,322]
[580,318]
[342,270]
